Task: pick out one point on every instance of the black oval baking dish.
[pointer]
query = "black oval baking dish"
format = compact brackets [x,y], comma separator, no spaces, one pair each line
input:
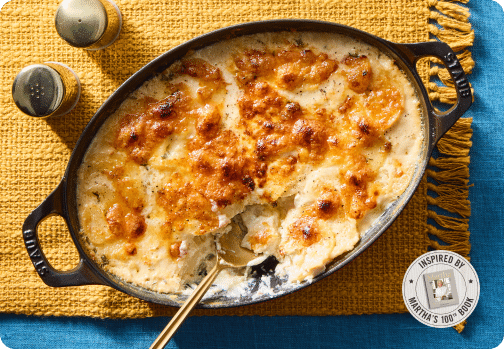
[62,201]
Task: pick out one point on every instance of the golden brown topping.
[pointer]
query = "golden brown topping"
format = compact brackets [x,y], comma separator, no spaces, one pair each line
[260,169]
[297,66]
[270,145]
[290,68]
[261,100]
[398,172]
[365,133]
[305,231]
[383,108]
[277,125]
[208,121]
[210,77]
[167,107]
[130,249]
[201,69]
[127,226]
[253,64]
[328,204]
[355,191]
[128,190]
[175,250]
[364,127]
[358,73]
[387,146]
[292,110]
[135,225]
[248,182]
[310,134]
[225,166]
[259,239]
[116,172]
[115,220]
[140,134]
[346,105]
[222,174]
[325,206]
[285,166]
[182,203]
[227,173]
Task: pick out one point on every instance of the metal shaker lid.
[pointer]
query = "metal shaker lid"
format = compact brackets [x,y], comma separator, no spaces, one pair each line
[81,22]
[38,90]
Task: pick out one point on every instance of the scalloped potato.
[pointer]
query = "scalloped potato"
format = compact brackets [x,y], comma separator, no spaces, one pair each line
[308,136]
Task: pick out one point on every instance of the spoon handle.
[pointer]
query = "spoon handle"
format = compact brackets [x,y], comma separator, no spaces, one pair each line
[177,320]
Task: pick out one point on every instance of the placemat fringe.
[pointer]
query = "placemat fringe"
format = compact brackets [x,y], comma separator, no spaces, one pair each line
[450,174]
[450,181]
[449,236]
[452,201]
[452,10]
[450,24]
[460,248]
[449,186]
[460,327]
[455,223]
[458,40]
[455,175]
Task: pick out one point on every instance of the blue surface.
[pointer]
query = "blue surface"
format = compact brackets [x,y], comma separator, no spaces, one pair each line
[486,325]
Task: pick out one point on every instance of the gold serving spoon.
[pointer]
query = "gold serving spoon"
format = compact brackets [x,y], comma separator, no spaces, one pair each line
[230,254]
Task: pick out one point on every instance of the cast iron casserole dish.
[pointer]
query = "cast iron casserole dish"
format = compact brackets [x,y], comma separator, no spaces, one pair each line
[62,201]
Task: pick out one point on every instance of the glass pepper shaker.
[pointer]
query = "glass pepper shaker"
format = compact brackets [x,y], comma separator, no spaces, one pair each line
[44,90]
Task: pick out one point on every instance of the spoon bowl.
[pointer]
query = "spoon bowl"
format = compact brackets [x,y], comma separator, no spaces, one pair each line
[229,249]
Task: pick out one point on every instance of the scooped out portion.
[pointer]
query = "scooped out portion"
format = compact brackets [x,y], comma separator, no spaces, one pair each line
[309,137]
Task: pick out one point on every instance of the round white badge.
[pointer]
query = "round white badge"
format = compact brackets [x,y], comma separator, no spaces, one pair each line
[441,289]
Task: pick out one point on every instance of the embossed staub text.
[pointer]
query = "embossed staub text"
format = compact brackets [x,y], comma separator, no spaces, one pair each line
[453,65]
[34,252]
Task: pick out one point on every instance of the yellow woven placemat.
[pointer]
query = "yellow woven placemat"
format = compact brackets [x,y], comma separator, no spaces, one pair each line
[34,153]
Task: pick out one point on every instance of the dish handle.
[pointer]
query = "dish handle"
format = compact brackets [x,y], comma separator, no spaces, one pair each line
[443,120]
[82,274]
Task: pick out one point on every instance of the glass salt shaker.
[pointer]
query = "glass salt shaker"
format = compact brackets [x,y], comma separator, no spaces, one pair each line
[88,24]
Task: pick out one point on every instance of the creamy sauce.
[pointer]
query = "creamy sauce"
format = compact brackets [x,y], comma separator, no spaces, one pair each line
[308,136]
